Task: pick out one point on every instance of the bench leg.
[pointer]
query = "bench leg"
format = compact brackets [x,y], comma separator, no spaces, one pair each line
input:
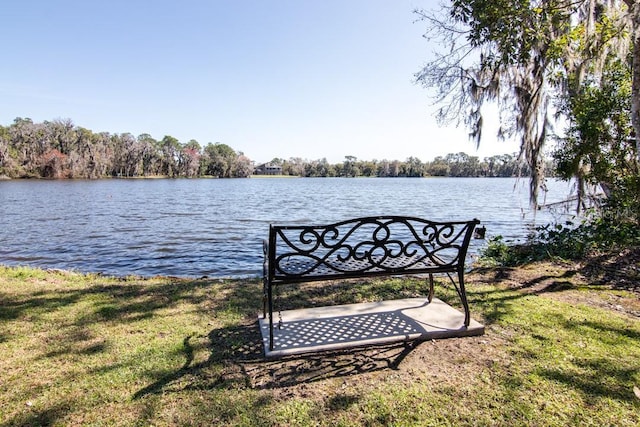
[270,304]
[430,287]
[264,298]
[463,297]
[264,306]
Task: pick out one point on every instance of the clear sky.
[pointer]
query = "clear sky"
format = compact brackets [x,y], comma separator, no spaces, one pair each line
[270,78]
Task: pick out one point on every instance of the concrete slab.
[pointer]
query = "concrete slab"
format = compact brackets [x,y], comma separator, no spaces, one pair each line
[355,325]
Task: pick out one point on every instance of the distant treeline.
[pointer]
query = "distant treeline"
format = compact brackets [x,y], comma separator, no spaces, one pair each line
[451,165]
[59,149]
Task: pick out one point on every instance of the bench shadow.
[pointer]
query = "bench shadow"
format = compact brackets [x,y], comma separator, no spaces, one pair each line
[235,356]
[236,361]
[242,347]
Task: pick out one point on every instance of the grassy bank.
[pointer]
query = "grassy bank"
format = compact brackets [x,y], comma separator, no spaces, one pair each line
[82,350]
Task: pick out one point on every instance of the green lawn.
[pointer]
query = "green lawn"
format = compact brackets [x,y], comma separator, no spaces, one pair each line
[89,350]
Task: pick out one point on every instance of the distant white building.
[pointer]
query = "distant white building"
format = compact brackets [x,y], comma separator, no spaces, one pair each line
[267,169]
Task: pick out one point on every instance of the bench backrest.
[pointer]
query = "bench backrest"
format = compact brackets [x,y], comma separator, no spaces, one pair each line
[382,245]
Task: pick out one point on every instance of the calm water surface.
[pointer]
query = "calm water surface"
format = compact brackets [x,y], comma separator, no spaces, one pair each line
[215,228]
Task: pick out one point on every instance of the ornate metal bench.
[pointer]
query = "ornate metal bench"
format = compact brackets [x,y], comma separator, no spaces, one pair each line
[365,247]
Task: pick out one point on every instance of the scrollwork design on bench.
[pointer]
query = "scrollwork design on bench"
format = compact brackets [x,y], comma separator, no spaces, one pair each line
[382,245]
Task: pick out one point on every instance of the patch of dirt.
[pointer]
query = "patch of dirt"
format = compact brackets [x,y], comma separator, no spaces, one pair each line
[618,270]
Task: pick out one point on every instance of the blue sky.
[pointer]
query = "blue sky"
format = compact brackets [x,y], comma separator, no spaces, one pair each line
[286,78]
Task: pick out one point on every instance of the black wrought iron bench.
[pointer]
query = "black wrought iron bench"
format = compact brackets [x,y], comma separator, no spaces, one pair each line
[365,247]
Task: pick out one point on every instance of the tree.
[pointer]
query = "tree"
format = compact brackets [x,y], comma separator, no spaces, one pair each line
[5,159]
[53,165]
[189,159]
[127,155]
[634,17]
[318,168]
[170,152]
[349,167]
[220,159]
[27,140]
[525,55]
[101,160]
[277,161]
[369,168]
[438,167]
[150,156]
[61,135]
[503,165]
[457,163]
[395,168]
[242,167]
[414,167]
[598,148]
[293,167]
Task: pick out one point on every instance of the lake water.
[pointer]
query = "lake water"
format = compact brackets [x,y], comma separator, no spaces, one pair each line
[215,227]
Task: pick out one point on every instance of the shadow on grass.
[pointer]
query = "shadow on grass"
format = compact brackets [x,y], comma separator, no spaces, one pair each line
[506,287]
[538,283]
[600,375]
[313,367]
[47,416]
[488,297]
[117,302]
[599,378]
[236,361]
[126,301]
[494,305]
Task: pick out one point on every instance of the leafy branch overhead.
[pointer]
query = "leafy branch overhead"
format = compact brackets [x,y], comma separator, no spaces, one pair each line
[536,60]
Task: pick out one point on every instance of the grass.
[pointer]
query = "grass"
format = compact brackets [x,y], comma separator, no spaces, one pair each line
[92,350]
